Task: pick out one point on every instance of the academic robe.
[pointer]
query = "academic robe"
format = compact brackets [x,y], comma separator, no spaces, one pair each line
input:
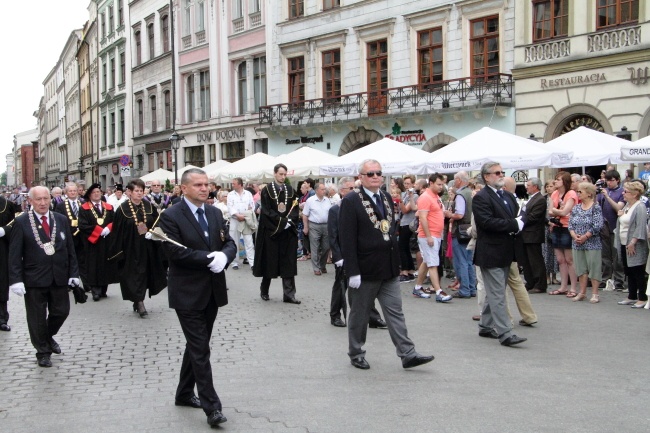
[8,211]
[99,271]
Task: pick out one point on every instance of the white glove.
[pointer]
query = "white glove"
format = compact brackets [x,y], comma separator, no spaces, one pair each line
[287,226]
[106,231]
[520,223]
[74,282]
[355,281]
[18,288]
[146,236]
[219,261]
[2,232]
[339,263]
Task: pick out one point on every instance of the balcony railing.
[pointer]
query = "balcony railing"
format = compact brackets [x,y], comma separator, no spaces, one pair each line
[238,25]
[614,39]
[459,93]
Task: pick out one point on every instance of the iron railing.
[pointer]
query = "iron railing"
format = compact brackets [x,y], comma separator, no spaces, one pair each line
[462,92]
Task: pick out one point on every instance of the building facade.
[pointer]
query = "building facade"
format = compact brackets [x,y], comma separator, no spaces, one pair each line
[51,157]
[11,170]
[71,123]
[24,157]
[88,92]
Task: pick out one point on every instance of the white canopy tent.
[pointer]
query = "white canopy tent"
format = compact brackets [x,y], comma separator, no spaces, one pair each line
[584,147]
[213,169]
[302,162]
[184,169]
[395,158]
[249,168]
[636,151]
[160,175]
[487,144]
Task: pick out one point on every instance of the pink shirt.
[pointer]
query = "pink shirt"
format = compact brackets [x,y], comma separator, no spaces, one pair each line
[435,217]
[555,200]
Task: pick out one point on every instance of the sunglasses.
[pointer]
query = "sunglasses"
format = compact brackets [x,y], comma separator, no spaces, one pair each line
[371,173]
[498,173]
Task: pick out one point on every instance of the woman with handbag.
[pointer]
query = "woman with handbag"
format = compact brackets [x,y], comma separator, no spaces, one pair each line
[584,227]
[563,199]
[408,207]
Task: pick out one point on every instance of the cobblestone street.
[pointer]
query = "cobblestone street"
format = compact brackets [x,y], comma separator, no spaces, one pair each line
[284,368]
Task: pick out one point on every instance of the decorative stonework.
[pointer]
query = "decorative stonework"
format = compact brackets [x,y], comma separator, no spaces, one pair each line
[437,142]
[614,39]
[548,51]
[359,138]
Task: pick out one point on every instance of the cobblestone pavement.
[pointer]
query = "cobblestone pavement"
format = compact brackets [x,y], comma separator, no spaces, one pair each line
[283,368]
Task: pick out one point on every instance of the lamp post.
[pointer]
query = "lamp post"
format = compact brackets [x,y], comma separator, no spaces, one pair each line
[80,166]
[175,140]
[624,134]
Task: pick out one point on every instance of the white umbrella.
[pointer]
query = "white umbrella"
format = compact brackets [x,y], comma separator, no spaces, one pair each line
[302,162]
[487,144]
[251,167]
[160,175]
[636,151]
[395,158]
[584,147]
[213,169]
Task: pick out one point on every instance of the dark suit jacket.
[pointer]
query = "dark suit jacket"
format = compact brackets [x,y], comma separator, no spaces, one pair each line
[534,230]
[364,250]
[190,281]
[333,233]
[495,244]
[29,264]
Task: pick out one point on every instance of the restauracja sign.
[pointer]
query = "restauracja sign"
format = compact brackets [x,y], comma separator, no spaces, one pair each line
[412,138]
[570,81]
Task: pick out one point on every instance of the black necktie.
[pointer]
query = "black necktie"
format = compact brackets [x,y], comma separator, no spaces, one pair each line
[501,195]
[98,208]
[380,205]
[203,223]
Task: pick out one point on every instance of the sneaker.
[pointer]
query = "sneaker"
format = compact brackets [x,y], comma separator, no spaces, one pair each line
[443,297]
[609,286]
[235,266]
[411,277]
[459,296]
[404,279]
[418,293]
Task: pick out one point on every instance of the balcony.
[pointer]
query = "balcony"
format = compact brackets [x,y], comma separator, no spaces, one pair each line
[614,39]
[187,41]
[238,25]
[255,19]
[461,93]
[549,50]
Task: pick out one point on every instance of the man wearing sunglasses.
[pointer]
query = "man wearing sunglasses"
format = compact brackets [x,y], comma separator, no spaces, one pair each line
[367,235]
[495,215]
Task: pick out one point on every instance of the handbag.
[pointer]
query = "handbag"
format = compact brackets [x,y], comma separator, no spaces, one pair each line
[462,232]
[79,294]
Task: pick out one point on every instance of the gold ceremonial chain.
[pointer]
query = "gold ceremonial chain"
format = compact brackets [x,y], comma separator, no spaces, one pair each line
[100,220]
[275,196]
[384,225]
[134,211]
[73,222]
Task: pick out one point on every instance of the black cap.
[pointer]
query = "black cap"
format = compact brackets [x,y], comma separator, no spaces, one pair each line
[90,190]
[119,187]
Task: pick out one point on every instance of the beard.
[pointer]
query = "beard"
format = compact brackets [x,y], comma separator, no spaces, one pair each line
[499,183]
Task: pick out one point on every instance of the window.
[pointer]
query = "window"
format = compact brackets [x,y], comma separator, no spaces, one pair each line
[111,23]
[138,49]
[331,73]
[329,4]
[255,6]
[484,41]
[150,35]
[377,63]
[112,128]
[186,18]
[154,120]
[550,19]
[140,117]
[122,131]
[610,13]
[259,81]
[241,85]
[237,9]
[104,126]
[296,8]
[122,68]
[194,155]
[112,73]
[168,110]
[232,152]
[120,13]
[204,95]
[104,69]
[165,33]
[103,20]
[200,16]
[190,98]
[297,79]
[430,55]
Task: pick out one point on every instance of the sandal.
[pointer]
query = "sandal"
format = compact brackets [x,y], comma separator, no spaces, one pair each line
[579,297]
[428,290]
[594,299]
[558,292]
[571,294]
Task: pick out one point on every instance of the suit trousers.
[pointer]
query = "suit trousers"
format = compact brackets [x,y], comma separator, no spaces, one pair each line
[319,242]
[495,313]
[39,301]
[521,295]
[338,303]
[534,267]
[361,301]
[196,369]
[288,287]
[4,313]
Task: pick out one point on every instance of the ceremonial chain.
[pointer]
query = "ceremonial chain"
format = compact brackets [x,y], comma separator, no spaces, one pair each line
[49,246]
[382,225]
[134,212]
[100,221]
[73,222]
[282,207]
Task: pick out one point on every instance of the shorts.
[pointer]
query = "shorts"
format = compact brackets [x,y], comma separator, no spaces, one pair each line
[430,255]
[588,261]
[561,238]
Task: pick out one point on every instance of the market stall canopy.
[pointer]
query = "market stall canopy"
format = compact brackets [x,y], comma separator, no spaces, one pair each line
[583,147]
[250,168]
[213,169]
[160,175]
[487,144]
[395,158]
[302,162]
[184,169]
[636,151]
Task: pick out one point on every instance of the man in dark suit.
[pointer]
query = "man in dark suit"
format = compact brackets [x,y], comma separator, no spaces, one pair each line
[346,184]
[197,286]
[8,211]
[42,264]
[371,261]
[70,206]
[533,236]
[495,215]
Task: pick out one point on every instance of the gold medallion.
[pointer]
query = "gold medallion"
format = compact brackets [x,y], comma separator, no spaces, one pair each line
[100,221]
[74,223]
[142,228]
[385,226]
[282,207]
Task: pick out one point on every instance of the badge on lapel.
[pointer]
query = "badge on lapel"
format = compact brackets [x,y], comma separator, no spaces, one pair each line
[222,235]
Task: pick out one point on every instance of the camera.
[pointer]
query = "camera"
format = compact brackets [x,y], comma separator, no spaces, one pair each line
[599,189]
[555,220]
[411,190]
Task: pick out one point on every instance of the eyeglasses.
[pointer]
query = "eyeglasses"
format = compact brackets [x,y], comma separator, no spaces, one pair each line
[498,173]
[371,173]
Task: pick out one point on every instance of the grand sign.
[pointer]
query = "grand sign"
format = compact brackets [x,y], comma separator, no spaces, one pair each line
[547,83]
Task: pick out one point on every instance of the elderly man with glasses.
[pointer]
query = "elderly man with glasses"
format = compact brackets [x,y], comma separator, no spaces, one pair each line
[156,197]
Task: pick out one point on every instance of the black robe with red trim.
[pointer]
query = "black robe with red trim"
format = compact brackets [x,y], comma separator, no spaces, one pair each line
[99,271]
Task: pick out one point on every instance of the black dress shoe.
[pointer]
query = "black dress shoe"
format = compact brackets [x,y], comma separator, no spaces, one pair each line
[190,402]
[512,340]
[379,324]
[44,362]
[5,327]
[360,363]
[264,297]
[338,322]
[488,334]
[417,360]
[522,323]
[96,298]
[55,346]
[292,301]
[215,418]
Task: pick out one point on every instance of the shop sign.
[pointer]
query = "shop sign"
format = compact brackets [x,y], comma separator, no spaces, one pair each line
[415,137]
[571,81]
[304,140]
[582,120]
[638,76]
[225,134]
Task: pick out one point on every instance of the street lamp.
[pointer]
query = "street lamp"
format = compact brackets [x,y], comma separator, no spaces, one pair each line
[624,134]
[175,140]
[80,166]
